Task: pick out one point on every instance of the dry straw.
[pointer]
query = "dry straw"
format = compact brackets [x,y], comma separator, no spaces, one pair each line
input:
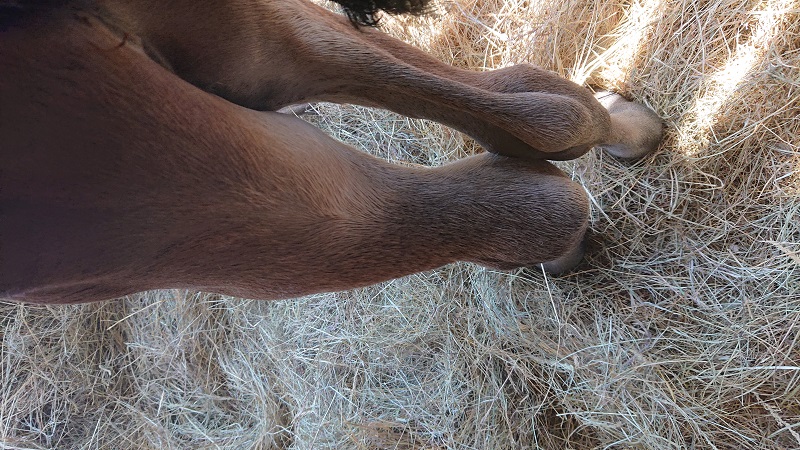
[679,331]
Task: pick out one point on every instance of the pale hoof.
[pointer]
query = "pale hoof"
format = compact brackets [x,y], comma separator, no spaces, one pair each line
[636,130]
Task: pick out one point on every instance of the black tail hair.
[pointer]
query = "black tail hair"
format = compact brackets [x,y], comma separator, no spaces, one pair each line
[360,12]
[364,12]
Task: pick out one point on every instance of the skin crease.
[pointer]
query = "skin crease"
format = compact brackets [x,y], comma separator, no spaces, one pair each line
[139,154]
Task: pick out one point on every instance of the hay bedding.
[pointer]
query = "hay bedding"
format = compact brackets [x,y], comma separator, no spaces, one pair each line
[680,331]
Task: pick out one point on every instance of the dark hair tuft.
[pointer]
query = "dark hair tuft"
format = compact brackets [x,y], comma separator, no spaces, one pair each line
[364,12]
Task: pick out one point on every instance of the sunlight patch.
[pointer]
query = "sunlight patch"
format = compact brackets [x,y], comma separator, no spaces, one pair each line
[695,133]
[616,61]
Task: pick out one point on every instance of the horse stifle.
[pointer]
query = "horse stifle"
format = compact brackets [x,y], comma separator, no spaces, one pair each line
[137,152]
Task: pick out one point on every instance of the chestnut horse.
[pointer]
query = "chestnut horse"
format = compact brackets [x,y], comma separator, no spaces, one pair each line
[139,149]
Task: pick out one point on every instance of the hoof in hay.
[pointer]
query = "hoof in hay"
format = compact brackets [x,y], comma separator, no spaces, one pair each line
[636,130]
[566,263]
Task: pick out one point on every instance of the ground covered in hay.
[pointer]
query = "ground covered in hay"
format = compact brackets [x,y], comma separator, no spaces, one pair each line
[680,330]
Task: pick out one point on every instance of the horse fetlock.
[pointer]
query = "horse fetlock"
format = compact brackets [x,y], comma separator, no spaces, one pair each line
[551,114]
[546,123]
[522,213]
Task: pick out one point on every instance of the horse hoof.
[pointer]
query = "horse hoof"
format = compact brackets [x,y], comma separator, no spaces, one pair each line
[636,130]
[567,262]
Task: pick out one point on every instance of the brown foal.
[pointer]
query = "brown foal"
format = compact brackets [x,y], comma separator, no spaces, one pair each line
[138,151]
